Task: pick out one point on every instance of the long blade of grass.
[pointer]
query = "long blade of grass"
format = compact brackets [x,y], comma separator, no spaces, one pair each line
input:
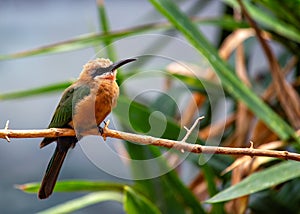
[35,91]
[75,186]
[280,27]
[135,203]
[212,189]
[87,200]
[90,40]
[259,181]
[230,82]
[104,24]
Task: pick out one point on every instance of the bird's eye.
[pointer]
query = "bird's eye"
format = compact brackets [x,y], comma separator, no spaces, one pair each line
[100,71]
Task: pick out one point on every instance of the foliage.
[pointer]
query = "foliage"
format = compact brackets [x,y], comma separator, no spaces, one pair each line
[257,115]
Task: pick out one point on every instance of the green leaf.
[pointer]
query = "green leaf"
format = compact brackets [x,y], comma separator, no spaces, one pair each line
[156,189]
[231,83]
[259,181]
[111,54]
[165,104]
[266,202]
[135,203]
[36,91]
[94,39]
[87,200]
[211,187]
[272,22]
[200,85]
[182,193]
[286,11]
[135,117]
[75,186]
[277,200]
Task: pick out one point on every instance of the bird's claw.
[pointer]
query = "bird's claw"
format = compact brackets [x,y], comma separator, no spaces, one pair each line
[101,130]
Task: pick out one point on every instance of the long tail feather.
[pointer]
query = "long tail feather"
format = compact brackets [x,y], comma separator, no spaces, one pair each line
[52,172]
[54,166]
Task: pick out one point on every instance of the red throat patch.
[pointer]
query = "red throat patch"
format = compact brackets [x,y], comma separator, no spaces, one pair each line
[111,76]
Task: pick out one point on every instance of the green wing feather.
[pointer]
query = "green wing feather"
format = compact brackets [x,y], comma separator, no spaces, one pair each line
[64,111]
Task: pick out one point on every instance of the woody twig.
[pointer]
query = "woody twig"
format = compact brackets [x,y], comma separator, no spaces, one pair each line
[180,145]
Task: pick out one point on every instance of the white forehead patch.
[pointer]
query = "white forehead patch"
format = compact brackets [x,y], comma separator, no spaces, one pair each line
[96,63]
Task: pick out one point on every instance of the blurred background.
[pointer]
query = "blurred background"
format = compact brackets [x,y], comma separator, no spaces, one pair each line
[30,24]
[46,43]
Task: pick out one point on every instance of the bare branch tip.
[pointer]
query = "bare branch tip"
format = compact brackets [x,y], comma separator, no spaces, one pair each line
[6,125]
[251,148]
[200,118]
[6,130]
[189,131]
[7,138]
[251,145]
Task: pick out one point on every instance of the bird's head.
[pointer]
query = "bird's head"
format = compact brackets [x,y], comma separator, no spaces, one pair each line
[102,68]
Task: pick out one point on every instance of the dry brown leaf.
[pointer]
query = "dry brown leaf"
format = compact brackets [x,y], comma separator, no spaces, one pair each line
[216,129]
[187,69]
[262,134]
[235,39]
[269,92]
[244,117]
[287,96]
[199,187]
[240,204]
[192,107]
[240,65]
[243,167]
[244,123]
[197,99]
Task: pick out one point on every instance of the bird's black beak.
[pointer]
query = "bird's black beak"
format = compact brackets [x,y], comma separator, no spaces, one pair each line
[117,65]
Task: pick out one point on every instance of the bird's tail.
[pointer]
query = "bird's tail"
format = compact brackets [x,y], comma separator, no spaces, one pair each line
[52,172]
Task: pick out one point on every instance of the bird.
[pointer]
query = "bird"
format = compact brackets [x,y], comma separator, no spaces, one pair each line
[83,107]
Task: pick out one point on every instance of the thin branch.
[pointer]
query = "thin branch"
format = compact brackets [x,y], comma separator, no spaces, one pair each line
[6,128]
[148,140]
[36,133]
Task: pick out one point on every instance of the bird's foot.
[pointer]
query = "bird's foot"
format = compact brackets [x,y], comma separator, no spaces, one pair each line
[101,130]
